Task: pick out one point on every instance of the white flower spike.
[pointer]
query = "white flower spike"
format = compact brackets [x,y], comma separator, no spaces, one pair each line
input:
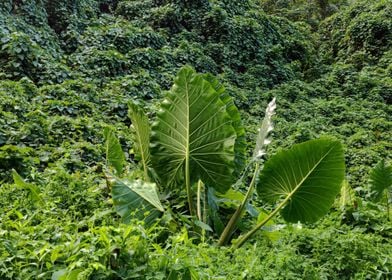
[265,128]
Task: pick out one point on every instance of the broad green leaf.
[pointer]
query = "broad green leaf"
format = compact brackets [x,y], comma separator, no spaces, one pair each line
[136,199]
[60,274]
[308,176]
[231,109]
[271,230]
[114,154]
[347,196]
[34,191]
[380,180]
[73,275]
[55,254]
[64,274]
[232,198]
[193,134]
[202,225]
[141,136]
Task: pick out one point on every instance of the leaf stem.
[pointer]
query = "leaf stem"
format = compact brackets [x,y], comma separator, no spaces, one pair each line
[224,238]
[199,186]
[188,186]
[205,213]
[243,239]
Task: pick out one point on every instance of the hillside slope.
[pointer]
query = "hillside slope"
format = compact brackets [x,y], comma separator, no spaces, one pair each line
[68,69]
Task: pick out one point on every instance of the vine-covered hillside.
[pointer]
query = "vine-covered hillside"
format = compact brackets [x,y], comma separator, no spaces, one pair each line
[68,70]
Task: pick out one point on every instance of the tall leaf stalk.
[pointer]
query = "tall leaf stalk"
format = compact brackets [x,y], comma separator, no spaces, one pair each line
[244,238]
[265,128]
[199,191]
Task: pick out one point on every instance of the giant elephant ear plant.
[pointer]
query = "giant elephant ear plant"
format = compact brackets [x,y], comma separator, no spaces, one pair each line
[197,139]
[194,136]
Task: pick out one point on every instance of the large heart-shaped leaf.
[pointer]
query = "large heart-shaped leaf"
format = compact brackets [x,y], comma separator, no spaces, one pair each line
[308,177]
[136,199]
[194,135]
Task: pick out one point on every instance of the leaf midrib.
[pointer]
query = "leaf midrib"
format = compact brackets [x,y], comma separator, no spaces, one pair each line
[187,126]
[307,175]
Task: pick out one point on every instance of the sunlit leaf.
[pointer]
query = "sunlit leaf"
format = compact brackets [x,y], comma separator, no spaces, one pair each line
[347,196]
[141,137]
[194,133]
[60,274]
[114,154]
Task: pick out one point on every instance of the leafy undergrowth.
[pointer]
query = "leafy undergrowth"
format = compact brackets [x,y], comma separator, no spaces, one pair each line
[74,231]
[68,70]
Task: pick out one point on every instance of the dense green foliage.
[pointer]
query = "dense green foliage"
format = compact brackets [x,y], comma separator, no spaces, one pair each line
[68,70]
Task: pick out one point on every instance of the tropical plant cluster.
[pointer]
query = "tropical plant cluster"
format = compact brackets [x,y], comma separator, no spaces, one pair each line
[207,139]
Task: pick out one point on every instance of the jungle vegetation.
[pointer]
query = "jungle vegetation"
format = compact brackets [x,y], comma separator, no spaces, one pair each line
[203,139]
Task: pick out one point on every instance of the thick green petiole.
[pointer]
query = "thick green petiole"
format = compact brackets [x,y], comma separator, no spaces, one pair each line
[243,239]
[225,236]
